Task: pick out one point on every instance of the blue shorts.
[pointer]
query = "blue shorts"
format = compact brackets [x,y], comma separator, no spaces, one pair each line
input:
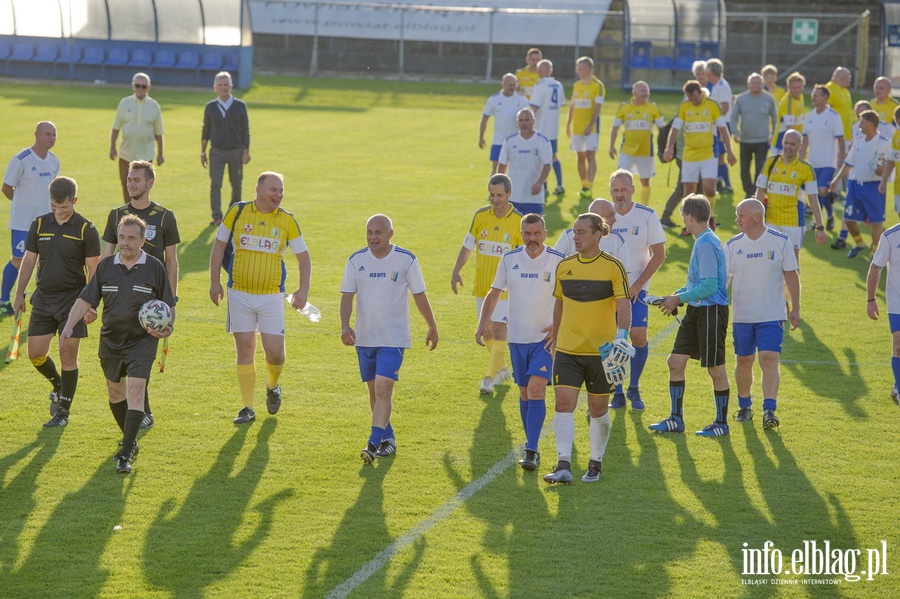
[495,153]
[824,176]
[894,321]
[864,203]
[18,243]
[640,312]
[381,361]
[528,360]
[553,145]
[525,208]
[750,337]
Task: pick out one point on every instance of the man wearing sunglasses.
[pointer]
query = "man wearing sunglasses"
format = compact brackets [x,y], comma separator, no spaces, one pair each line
[139,120]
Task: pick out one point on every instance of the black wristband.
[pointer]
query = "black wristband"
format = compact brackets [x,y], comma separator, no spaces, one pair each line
[870,300]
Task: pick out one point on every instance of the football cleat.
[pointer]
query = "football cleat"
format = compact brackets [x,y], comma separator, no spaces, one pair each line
[531,460]
[559,191]
[855,250]
[585,192]
[770,421]
[618,401]
[657,300]
[667,223]
[387,447]
[895,395]
[503,375]
[839,244]
[60,419]
[559,476]
[713,430]
[134,452]
[6,309]
[744,414]
[148,421]
[672,424]
[829,224]
[634,396]
[593,472]
[54,402]
[245,415]
[487,386]
[273,399]
[123,465]
[368,453]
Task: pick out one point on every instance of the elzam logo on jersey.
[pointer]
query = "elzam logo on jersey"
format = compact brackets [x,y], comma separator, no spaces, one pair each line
[813,558]
[260,244]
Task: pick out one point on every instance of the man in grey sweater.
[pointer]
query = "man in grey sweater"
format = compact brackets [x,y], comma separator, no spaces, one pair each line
[753,121]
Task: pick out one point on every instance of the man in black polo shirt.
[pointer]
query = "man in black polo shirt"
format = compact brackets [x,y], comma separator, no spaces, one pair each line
[162,233]
[124,283]
[68,247]
[227,126]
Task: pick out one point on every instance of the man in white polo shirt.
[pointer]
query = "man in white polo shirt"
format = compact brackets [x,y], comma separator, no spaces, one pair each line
[526,157]
[503,106]
[823,146]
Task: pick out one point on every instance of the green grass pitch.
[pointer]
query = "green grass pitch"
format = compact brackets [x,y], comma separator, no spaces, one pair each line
[285,508]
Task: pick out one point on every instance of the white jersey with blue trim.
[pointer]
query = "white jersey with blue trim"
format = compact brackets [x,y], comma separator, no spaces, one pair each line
[530,282]
[547,97]
[504,110]
[888,253]
[756,268]
[640,228]
[30,176]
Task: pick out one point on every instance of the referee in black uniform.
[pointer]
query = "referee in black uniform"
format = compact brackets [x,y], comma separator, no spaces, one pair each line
[68,247]
[125,282]
[162,234]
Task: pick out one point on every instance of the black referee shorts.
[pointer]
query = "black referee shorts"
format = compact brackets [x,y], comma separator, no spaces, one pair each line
[702,335]
[49,314]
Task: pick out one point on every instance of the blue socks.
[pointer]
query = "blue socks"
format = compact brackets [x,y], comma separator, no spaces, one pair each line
[769,404]
[745,402]
[377,435]
[637,364]
[557,168]
[723,174]
[722,405]
[676,394]
[388,432]
[10,274]
[523,413]
[534,422]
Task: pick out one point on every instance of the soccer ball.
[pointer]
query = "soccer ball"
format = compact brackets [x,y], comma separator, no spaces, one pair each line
[155,315]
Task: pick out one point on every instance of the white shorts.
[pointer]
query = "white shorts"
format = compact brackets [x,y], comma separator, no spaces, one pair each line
[251,313]
[795,234]
[501,312]
[705,169]
[646,166]
[584,143]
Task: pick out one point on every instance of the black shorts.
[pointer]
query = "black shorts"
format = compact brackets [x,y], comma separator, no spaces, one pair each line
[49,313]
[702,335]
[573,371]
[131,366]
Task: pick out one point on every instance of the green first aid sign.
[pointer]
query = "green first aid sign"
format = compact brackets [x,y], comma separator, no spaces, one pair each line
[805,31]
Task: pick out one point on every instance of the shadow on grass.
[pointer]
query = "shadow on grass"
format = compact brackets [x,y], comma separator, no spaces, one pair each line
[18,495]
[189,549]
[194,255]
[361,536]
[65,558]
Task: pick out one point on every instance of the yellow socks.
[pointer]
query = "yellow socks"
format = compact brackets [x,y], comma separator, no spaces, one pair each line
[246,374]
[273,371]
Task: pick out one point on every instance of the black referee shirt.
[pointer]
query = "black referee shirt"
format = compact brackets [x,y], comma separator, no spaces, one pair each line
[162,229]
[123,292]
[62,249]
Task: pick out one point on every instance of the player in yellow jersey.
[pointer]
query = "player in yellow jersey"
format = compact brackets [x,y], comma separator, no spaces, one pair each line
[840,100]
[583,126]
[883,103]
[593,309]
[495,230]
[791,108]
[891,162]
[699,117]
[528,75]
[783,180]
[260,231]
[770,76]
[638,115]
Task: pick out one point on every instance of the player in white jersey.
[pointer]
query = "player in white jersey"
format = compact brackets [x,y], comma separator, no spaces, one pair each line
[887,254]
[645,246]
[503,106]
[721,93]
[823,146]
[547,97]
[612,243]
[382,276]
[760,262]
[528,273]
[27,185]
[526,158]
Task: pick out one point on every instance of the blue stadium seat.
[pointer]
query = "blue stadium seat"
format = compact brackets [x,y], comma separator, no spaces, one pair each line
[69,54]
[661,63]
[187,60]
[231,63]
[141,58]
[118,57]
[22,52]
[4,50]
[212,61]
[46,53]
[709,50]
[94,55]
[640,55]
[165,59]
[685,55]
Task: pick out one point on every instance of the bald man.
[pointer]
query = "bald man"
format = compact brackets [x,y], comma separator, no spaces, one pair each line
[760,262]
[503,106]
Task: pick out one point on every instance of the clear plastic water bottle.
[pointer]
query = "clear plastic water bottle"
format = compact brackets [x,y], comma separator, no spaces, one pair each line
[309,311]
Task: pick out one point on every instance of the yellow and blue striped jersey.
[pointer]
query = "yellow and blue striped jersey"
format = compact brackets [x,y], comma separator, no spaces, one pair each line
[491,236]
